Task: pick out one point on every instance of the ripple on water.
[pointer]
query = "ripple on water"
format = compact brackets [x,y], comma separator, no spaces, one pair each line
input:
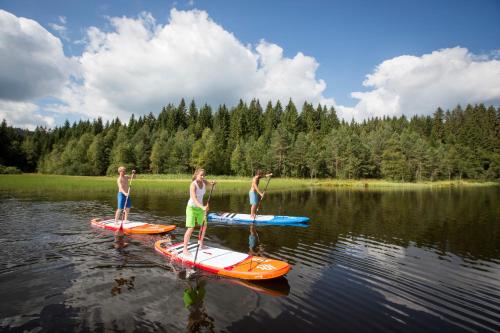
[54,265]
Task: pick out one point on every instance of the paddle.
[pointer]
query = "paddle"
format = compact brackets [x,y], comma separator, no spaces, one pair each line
[261,198]
[126,199]
[256,211]
[202,225]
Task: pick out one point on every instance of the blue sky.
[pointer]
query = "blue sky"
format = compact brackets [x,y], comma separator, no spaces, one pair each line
[346,40]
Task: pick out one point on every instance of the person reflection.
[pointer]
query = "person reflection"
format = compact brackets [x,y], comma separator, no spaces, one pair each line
[120,241]
[122,283]
[198,320]
[254,245]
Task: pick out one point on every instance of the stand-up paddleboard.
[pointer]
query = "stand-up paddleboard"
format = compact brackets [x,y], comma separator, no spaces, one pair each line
[131,227]
[260,219]
[225,262]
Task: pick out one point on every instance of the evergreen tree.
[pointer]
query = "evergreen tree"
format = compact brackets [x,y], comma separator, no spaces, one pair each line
[297,161]
[121,154]
[271,120]
[180,156]
[394,164]
[192,120]
[180,116]
[255,119]
[289,119]
[97,156]
[141,147]
[205,119]
[160,153]
[238,160]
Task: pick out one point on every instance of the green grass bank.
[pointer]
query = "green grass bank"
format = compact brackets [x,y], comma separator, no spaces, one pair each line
[180,183]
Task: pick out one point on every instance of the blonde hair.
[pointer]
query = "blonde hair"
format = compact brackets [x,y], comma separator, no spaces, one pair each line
[197,172]
[121,168]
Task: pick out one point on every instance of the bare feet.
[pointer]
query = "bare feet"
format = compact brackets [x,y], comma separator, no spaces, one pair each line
[185,253]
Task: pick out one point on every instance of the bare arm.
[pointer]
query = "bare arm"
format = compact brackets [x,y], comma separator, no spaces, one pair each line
[206,182]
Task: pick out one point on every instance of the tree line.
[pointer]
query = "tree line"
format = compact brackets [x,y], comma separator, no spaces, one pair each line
[452,144]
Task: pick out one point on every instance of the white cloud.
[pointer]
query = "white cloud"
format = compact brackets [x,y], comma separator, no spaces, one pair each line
[140,66]
[24,115]
[284,78]
[32,62]
[61,29]
[412,85]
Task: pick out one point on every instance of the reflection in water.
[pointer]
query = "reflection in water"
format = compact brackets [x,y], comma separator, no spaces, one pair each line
[120,242]
[409,261]
[121,283]
[255,247]
[276,287]
[193,296]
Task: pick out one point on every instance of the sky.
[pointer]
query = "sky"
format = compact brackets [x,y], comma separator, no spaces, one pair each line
[86,59]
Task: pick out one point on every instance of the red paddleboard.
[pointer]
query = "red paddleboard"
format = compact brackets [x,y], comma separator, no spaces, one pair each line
[132,227]
[225,262]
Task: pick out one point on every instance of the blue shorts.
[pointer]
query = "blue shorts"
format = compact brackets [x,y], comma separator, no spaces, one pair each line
[121,201]
[254,198]
[252,241]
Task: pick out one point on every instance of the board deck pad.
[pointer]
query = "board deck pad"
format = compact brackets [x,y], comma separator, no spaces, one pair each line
[261,219]
[212,256]
[131,227]
[225,262]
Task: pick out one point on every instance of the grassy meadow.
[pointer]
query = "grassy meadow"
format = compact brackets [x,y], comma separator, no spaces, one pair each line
[180,183]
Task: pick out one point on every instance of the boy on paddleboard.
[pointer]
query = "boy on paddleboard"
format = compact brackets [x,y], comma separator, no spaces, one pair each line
[195,210]
[254,190]
[123,191]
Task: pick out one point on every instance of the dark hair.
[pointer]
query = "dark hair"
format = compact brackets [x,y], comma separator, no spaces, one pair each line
[259,173]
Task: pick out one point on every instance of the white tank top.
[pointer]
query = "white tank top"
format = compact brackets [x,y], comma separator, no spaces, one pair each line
[200,192]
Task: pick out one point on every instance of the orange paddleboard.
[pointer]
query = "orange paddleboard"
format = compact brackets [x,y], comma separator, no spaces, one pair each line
[226,262]
[132,227]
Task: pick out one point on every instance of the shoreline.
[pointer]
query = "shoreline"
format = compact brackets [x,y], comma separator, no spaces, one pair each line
[148,182]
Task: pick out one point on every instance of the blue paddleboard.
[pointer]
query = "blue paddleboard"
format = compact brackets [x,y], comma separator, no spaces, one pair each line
[260,219]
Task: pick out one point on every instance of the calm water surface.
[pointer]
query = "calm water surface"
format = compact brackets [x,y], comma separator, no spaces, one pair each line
[412,261]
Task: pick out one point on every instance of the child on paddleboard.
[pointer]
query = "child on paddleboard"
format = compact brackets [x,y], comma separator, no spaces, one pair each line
[195,210]
[254,190]
[123,191]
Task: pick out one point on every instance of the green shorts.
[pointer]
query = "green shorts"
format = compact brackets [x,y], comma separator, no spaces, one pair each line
[194,216]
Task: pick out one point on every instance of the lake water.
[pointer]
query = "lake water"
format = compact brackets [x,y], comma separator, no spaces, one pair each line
[369,261]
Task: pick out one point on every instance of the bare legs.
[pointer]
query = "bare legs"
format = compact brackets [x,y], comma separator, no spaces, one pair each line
[252,211]
[125,215]
[187,236]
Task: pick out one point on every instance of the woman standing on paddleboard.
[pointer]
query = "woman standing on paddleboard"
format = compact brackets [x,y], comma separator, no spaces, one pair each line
[195,210]
[254,190]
